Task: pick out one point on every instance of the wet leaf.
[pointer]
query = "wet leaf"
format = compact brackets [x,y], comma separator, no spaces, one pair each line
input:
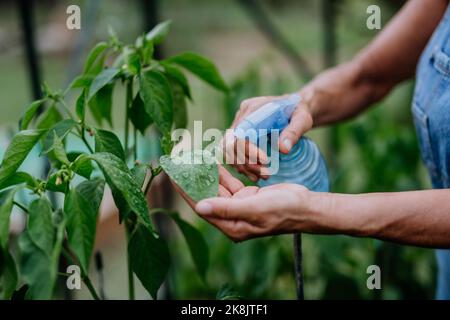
[195,172]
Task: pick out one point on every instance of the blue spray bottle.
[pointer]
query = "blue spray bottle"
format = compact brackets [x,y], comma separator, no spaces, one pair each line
[303,165]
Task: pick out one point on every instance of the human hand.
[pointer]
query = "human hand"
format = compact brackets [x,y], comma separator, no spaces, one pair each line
[334,95]
[248,158]
[248,212]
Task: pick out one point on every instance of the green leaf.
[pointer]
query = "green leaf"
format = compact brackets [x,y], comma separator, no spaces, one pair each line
[92,191]
[159,32]
[8,275]
[6,206]
[146,49]
[107,141]
[120,202]
[80,164]
[166,143]
[197,245]
[150,259]
[175,74]
[132,61]
[101,104]
[58,149]
[201,67]
[81,226]
[80,106]
[139,117]
[179,107]
[40,225]
[36,269]
[48,118]
[227,292]
[101,80]
[93,56]
[30,113]
[61,130]
[139,172]
[195,172]
[84,81]
[17,151]
[120,179]
[19,178]
[157,97]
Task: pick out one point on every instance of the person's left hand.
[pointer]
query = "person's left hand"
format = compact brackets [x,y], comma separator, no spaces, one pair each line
[248,212]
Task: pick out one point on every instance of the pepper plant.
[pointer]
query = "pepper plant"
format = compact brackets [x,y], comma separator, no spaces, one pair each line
[156,94]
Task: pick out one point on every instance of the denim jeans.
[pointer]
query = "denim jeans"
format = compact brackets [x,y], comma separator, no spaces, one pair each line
[431,110]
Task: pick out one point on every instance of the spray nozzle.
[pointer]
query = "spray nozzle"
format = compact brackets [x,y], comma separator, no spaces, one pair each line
[274,115]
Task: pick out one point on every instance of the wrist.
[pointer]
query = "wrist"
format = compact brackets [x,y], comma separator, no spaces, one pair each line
[321,211]
[329,214]
[343,214]
[328,96]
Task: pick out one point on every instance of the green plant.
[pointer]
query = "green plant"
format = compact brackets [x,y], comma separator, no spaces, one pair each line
[156,93]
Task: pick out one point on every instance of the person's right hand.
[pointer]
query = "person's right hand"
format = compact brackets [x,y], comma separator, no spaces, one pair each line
[243,151]
[334,95]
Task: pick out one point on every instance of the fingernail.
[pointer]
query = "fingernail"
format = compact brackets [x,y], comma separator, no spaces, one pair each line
[287,143]
[203,207]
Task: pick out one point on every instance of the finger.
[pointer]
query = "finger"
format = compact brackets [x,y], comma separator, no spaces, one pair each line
[251,175]
[300,122]
[248,106]
[228,181]
[255,155]
[239,151]
[229,208]
[236,230]
[257,170]
[249,155]
[228,146]
[223,192]
[246,192]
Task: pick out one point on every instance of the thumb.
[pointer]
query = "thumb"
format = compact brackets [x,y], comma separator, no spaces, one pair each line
[224,208]
[301,122]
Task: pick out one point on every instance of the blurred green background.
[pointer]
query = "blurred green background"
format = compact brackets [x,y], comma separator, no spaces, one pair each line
[375,152]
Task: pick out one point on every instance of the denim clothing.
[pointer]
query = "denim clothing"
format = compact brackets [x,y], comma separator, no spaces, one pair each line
[431,110]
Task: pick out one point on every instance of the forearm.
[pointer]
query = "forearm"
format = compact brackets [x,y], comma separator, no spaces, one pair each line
[346,90]
[419,218]
[393,55]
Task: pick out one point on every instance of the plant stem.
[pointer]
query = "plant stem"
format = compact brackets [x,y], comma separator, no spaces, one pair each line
[66,109]
[63,274]
[149,183]
[85,141]
[128,227]
[84,277]
[129,96]
[21,206]
[131,294]
[90,287]
[135,143]
[298,265]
